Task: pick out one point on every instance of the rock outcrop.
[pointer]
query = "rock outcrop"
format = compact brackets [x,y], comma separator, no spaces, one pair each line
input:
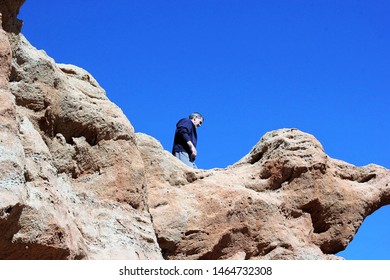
[285,200]
[71,176]
[76,182]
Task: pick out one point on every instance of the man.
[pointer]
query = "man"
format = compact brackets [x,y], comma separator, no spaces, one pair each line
[186,138]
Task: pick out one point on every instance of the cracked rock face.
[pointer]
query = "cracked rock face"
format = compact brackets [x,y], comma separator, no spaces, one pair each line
[71,176]
[76,182]
[286,199]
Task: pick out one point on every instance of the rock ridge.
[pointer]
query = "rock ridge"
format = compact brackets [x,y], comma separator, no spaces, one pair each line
[76,181]
[286,199]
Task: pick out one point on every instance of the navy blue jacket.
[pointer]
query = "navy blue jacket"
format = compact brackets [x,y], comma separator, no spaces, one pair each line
[185,131]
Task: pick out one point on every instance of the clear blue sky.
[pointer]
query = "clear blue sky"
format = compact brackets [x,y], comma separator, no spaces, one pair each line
[249,66]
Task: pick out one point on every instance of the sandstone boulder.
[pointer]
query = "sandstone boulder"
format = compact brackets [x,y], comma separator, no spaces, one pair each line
[71,176]
[286,199]
[76,181]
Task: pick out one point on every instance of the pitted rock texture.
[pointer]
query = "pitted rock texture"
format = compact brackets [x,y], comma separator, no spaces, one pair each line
[71,176]
[285,200]
[76,182]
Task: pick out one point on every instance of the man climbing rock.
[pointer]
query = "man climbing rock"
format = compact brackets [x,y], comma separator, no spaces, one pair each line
[186,138]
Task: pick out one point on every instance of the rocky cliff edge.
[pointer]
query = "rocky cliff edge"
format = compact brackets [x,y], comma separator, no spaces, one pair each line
[76,182]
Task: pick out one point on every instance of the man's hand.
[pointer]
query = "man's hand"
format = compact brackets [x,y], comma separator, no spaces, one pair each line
[194,152]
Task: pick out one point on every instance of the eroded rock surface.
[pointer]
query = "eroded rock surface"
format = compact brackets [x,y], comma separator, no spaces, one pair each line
[71,176]
[285,200]
[76,182]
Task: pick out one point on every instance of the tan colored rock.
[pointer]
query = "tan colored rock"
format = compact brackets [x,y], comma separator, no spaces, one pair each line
[285,200]
[71,176]
[65,102]
[76,182]
[5,58]
[11,149]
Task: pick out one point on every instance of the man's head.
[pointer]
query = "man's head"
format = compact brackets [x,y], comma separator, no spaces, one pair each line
[197,119]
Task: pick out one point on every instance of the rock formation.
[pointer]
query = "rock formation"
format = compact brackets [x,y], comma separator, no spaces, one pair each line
[76,182]
[285,200]
[71,176]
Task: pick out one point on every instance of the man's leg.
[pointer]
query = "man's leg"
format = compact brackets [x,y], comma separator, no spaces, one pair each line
[183,156]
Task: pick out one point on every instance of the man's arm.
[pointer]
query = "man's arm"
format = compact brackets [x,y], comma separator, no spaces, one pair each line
[193,149]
